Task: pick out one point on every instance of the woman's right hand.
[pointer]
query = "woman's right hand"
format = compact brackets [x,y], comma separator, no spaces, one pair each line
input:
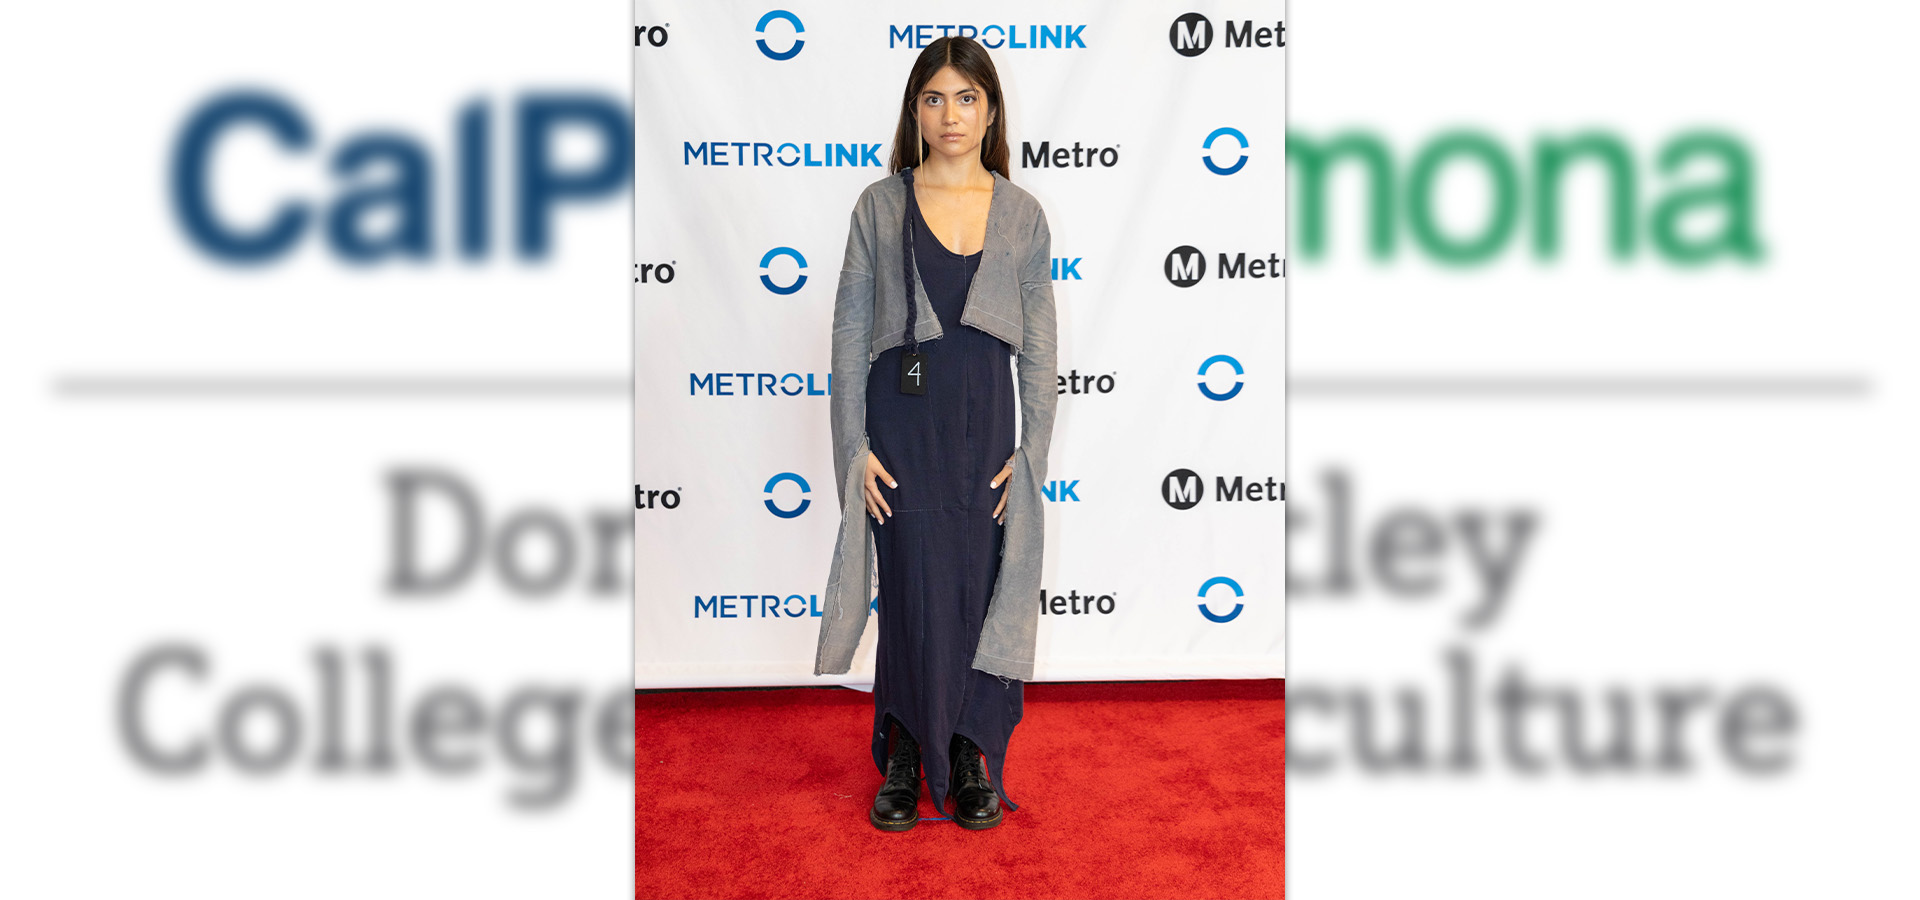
[876,504]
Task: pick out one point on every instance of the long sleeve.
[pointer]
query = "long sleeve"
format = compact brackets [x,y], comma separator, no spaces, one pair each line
[852,338]
[1008,636]
[1037,363]
[844,613]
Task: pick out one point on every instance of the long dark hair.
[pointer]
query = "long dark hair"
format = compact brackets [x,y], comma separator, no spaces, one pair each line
[971,60]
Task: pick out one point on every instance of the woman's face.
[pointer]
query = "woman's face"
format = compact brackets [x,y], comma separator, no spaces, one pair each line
[953,114]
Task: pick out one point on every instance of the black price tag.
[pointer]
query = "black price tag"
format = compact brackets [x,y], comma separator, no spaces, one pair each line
[913,374]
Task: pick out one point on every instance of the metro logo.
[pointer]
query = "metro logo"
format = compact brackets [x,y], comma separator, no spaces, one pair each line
[385,204]
[1186,266]
[1046,155]
[1192,33]
[1075,603]
[1248,36]
[1185,488]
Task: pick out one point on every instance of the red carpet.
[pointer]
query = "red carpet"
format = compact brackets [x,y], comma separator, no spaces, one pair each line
[1126,790]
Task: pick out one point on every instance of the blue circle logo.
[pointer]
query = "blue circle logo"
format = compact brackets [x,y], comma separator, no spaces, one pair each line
[1209,585]
[1229,394]
[798,29]
[767,281]
[1216,135]
[804,489]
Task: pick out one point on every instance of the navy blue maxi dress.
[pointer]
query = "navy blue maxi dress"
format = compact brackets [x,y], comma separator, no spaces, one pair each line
[938,555]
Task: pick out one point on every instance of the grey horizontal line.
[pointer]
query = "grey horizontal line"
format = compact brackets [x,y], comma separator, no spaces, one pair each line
[399,387]
[1597,387]
[1308,387]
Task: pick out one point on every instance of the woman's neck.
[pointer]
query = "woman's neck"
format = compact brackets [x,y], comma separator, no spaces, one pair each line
[944,172]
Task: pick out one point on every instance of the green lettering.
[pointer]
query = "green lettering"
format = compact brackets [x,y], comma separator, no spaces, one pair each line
[1551,158]
[1732,196]
[1505,183]
[1311,162]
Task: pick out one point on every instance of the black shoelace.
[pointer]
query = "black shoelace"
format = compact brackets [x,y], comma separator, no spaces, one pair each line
[970,767]
[905,759]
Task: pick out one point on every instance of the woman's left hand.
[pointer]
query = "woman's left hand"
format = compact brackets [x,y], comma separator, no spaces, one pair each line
[1000,509]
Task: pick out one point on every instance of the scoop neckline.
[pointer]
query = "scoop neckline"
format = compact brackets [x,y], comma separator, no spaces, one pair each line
[920,222]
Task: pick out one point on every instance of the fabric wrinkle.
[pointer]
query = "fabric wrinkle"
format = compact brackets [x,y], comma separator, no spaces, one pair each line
[936,576]
[1010,298]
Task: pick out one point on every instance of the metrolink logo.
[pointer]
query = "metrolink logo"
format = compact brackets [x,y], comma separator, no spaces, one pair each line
[1066,268]
[783,511]
[1192,34]
[1692,200]
[992,37]
[1229,393]
[762,153]
[1184,489]
[1186,266]
[1061,491]
[780,15]
[767,280]
[385,202]
[1221,581]
[756,606]
[758,384]
[1216,135]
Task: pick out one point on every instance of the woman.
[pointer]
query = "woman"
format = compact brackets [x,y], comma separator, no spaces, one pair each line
[947,273]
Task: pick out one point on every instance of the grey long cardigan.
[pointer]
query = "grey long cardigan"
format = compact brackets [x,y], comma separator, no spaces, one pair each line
[1011,298]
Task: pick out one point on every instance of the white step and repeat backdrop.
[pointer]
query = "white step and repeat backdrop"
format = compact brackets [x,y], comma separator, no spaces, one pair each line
[1153,134]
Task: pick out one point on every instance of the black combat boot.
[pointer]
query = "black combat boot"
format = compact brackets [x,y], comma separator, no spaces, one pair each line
[975,805]
[897,806]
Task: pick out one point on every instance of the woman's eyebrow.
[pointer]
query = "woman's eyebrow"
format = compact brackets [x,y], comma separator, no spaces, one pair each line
[956,93]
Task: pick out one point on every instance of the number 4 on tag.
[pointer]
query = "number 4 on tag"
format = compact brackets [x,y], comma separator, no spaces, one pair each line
[913,373]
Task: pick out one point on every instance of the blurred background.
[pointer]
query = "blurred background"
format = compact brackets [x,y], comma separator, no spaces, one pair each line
[315,354]
[1601,386]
